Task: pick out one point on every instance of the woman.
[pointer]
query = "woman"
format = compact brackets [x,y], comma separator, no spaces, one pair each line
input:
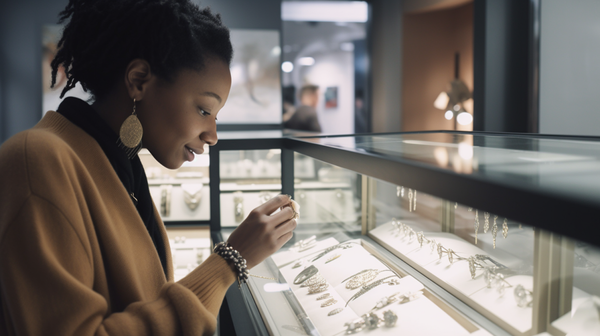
[82,248]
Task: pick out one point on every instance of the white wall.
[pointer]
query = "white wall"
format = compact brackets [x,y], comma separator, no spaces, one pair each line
[333,69]
[570,67]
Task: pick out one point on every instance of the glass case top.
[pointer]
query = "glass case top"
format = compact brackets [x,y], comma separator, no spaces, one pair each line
[562,164]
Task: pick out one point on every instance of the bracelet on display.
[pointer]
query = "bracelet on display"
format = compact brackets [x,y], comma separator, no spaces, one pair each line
[230,254]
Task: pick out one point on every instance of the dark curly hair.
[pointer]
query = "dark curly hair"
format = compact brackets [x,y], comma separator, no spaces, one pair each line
[103,36]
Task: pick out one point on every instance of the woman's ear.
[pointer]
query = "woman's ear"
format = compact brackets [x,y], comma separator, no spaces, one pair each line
[137,78]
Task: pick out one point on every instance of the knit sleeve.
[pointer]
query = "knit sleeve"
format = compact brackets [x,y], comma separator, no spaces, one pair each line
[47,282]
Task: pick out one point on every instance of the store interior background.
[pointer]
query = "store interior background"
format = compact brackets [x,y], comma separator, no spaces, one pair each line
[411,49]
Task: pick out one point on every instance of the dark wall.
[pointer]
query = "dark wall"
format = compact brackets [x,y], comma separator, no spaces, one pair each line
[20,50]
[501,65]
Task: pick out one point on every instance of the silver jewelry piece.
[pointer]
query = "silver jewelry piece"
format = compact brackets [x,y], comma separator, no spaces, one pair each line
[238,206]
[316,279]
[505,228]
[372,285]
[389,318]
[165,200]
[324,296]
[476,224]
[333,258]
[335,311]
[305,274]
[318,288]
[523,297]
[494,230]
[371,320]
[332,248]
[361,278]
[192,193]
[305,244]
[415,201]
[486,223]
[328,303]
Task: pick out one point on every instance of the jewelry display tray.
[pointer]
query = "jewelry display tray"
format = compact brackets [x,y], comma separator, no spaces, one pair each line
[525,201]
[289,307]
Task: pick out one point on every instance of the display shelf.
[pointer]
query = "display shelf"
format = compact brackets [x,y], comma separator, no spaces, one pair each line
[284,266]
[531,186]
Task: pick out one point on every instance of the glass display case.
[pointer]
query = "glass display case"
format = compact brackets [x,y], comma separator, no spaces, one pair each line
[180,195]
[431,233]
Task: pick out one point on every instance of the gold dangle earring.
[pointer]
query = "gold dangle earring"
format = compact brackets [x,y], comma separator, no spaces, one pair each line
[130,135]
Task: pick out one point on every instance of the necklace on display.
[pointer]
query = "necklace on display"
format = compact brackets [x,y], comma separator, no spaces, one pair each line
[361,278]
[372,285]
[192,194]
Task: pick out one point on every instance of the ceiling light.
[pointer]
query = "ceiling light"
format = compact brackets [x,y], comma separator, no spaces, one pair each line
[287,67]
[308,61]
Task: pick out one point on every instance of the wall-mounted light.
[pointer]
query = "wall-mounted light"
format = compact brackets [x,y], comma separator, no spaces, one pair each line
[453,100]
[464,118]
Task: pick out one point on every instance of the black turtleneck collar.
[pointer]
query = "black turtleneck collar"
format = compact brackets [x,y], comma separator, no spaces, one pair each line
[130,172]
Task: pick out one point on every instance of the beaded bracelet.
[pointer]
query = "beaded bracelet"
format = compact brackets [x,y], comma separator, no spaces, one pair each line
[230,254]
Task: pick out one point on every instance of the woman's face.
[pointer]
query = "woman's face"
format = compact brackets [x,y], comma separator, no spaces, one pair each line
[180,117]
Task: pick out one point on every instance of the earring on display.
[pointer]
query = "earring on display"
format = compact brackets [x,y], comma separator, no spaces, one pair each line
[505,228]
[476,224]
[130,135]
[165,200]
[486,223]
[494,230]
[192,194]
[238,206]
[415,201]
[410,198]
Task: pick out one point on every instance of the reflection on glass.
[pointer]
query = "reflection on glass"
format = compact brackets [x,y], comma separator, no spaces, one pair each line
[328,195]
[249,178]
[583,317]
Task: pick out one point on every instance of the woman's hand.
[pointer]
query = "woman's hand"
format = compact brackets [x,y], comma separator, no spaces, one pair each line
[262,233]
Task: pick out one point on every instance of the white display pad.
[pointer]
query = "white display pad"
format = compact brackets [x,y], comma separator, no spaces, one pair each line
[505,306]
[285,257]
[584,317]
[458,274]
[189,248]
[414,317]
[179,209]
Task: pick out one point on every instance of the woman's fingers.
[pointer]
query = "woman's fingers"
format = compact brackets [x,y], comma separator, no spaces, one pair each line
[285,238]
[285,228]
[273,204]
[282,216]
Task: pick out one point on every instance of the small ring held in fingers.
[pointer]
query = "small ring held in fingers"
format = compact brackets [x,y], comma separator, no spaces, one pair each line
[295,215]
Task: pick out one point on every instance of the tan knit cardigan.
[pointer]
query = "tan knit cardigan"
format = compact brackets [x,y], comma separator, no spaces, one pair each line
[75,256]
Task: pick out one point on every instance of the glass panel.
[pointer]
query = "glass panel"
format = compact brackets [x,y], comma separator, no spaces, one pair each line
[477,256]
[181,194]
[579,304]
[330,281]
[558,165]
[248,179]
[329,196]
